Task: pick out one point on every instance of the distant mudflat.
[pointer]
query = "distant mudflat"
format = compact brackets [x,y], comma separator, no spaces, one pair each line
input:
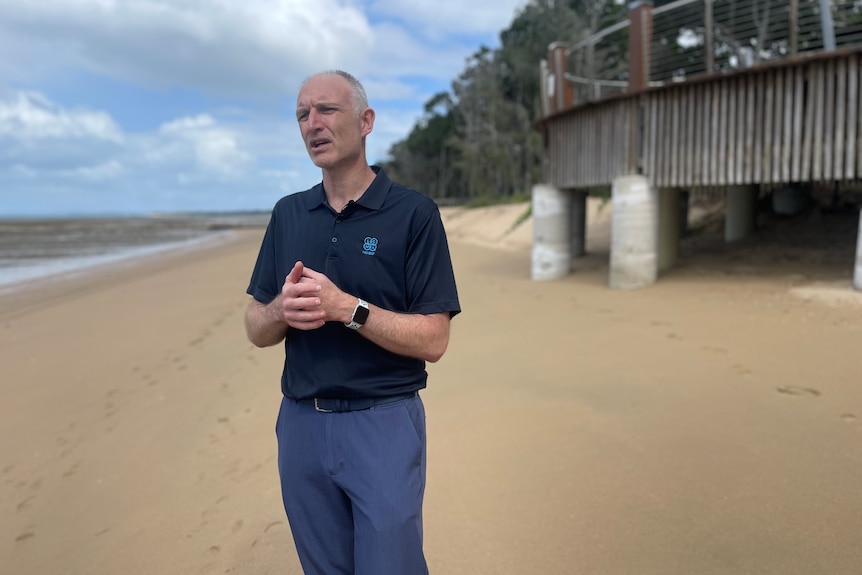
[36,248]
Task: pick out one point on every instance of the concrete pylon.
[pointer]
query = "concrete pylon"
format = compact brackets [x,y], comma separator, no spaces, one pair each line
[668,227]
[740,212]
[551,258]
[634,233]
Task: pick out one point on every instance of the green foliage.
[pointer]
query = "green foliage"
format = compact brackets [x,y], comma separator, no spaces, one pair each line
[494,200]
[477,143]
[528,213]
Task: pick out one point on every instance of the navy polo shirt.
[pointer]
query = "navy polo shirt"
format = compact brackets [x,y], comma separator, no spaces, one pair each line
[388,248]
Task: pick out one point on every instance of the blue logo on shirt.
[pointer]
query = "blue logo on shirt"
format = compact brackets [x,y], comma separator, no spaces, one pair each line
[369,246]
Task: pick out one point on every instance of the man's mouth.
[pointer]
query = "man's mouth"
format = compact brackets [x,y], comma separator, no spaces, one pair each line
[316,144]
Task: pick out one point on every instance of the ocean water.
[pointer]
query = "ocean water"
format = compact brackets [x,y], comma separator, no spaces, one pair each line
[32,249]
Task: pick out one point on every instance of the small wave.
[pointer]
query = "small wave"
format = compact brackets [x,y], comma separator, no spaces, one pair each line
[14,273]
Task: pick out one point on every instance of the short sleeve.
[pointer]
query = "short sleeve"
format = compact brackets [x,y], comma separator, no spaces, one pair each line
[430,277]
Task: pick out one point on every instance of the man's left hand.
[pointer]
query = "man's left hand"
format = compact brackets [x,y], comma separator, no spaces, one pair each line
[337,304]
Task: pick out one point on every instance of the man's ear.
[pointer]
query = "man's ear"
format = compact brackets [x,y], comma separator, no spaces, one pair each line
[367,118]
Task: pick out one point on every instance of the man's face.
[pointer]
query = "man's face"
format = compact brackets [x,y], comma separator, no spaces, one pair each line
[332,130]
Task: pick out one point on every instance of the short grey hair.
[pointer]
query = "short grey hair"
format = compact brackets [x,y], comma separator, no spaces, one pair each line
[358,96]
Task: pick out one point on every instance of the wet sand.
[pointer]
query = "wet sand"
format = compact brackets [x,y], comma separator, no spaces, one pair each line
[709,424]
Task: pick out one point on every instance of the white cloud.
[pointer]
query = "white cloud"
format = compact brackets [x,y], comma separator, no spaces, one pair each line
[222,46]
[74,141]
[215,149]
[53,155]
[31,116]
[249,47]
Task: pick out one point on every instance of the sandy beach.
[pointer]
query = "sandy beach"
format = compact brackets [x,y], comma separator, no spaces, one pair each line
[709,424]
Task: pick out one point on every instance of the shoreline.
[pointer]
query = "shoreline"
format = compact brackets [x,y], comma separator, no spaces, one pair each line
[22,276]
[20,297]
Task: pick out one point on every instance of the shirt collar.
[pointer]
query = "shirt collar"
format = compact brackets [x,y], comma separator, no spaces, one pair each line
[372,198]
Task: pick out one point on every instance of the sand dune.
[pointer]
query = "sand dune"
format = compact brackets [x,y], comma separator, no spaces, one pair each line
[709,424]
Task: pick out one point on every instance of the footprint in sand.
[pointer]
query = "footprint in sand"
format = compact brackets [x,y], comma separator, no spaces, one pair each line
[25,536]
[271,525]
[848,417]
[232,468]
[237,526]
[22,506]
[72,470]
[741,370]
[797,390]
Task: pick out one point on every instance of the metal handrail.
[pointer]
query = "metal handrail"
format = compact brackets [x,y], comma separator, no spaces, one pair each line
[673,6]
[624,24]
[601,34]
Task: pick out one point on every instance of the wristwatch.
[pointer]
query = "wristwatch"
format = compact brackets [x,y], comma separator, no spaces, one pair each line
[360,315]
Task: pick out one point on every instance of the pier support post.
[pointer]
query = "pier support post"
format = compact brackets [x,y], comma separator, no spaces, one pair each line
[739,212]
[551,258]
[684,204]
[633,233]
[668,228]
[857,272]
[578,223]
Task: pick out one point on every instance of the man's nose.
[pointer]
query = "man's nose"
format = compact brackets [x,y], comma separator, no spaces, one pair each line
[313,119]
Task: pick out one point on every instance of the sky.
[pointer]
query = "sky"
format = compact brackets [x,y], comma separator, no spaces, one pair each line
[112,107]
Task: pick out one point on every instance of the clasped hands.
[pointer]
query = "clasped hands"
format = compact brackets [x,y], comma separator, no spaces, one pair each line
[309,299]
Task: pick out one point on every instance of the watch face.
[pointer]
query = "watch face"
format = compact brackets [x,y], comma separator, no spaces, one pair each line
[360,314]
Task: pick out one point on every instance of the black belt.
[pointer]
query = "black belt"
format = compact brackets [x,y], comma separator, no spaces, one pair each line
[338,405]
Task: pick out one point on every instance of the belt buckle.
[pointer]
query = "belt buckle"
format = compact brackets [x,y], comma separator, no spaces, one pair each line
[320,409]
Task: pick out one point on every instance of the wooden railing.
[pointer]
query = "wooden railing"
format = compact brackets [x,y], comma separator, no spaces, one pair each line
[790,114]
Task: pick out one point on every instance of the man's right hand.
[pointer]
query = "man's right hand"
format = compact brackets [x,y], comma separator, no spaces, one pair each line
[300,302]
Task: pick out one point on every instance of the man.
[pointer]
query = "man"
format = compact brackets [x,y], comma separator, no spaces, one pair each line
[354,276]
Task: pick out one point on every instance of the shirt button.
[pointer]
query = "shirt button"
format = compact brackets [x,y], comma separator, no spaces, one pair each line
[334,240]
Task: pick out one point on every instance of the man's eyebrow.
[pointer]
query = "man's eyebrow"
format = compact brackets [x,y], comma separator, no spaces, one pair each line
[304,109]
